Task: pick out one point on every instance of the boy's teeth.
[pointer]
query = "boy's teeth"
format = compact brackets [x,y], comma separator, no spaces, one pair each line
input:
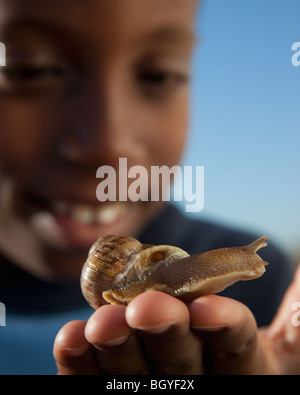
[89,215]
[108,214]
[83,214]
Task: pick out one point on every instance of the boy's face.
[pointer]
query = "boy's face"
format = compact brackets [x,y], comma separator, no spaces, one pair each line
[86,83]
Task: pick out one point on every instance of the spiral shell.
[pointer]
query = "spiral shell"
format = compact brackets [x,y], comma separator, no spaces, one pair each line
[120,268]
[116,263]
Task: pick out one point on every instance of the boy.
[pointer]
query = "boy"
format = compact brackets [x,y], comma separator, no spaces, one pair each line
[87,83]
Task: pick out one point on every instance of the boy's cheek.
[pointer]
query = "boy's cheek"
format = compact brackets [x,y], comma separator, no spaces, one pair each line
[26,134]
[18,156]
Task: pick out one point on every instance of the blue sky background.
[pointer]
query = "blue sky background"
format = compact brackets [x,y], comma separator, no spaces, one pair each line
[245,116]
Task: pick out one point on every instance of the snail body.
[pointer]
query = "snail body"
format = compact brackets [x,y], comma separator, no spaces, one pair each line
[120,268]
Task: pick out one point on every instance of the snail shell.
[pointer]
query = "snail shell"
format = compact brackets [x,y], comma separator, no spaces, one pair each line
[120,268]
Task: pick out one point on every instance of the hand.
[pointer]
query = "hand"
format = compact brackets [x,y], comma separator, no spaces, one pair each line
[159,334]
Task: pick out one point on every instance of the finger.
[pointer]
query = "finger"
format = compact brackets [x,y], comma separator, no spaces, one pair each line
[163,322]
[283,335]
[286,323]
[118,349]
[230,335]
[72,353]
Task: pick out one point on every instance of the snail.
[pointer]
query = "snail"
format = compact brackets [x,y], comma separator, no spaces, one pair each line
[120,268]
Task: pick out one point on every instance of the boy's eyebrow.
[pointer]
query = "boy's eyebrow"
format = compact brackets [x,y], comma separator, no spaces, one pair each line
[172,33]
[40,27]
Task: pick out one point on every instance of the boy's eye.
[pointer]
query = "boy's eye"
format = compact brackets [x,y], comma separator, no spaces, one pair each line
[32,78]
[27,74]
[160,84]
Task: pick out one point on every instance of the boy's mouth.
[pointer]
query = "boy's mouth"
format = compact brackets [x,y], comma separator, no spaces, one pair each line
[67,224]
[105,214]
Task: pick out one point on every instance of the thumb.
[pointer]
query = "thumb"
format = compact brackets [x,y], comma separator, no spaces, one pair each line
[229,331]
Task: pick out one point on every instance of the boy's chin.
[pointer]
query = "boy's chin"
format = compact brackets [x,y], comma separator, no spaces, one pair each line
[63,266]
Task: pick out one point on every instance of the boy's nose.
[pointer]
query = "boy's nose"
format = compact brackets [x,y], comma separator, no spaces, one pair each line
[88,148]
[102,129]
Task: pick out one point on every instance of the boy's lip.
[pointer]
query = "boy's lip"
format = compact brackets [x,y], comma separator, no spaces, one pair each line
[70,223]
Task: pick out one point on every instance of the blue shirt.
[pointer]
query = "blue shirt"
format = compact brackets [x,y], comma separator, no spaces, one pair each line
[26,342]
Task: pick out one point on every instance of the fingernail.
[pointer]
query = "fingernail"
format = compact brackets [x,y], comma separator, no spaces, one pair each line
[156,329]
[208,329]
[116,342]
[78,351]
